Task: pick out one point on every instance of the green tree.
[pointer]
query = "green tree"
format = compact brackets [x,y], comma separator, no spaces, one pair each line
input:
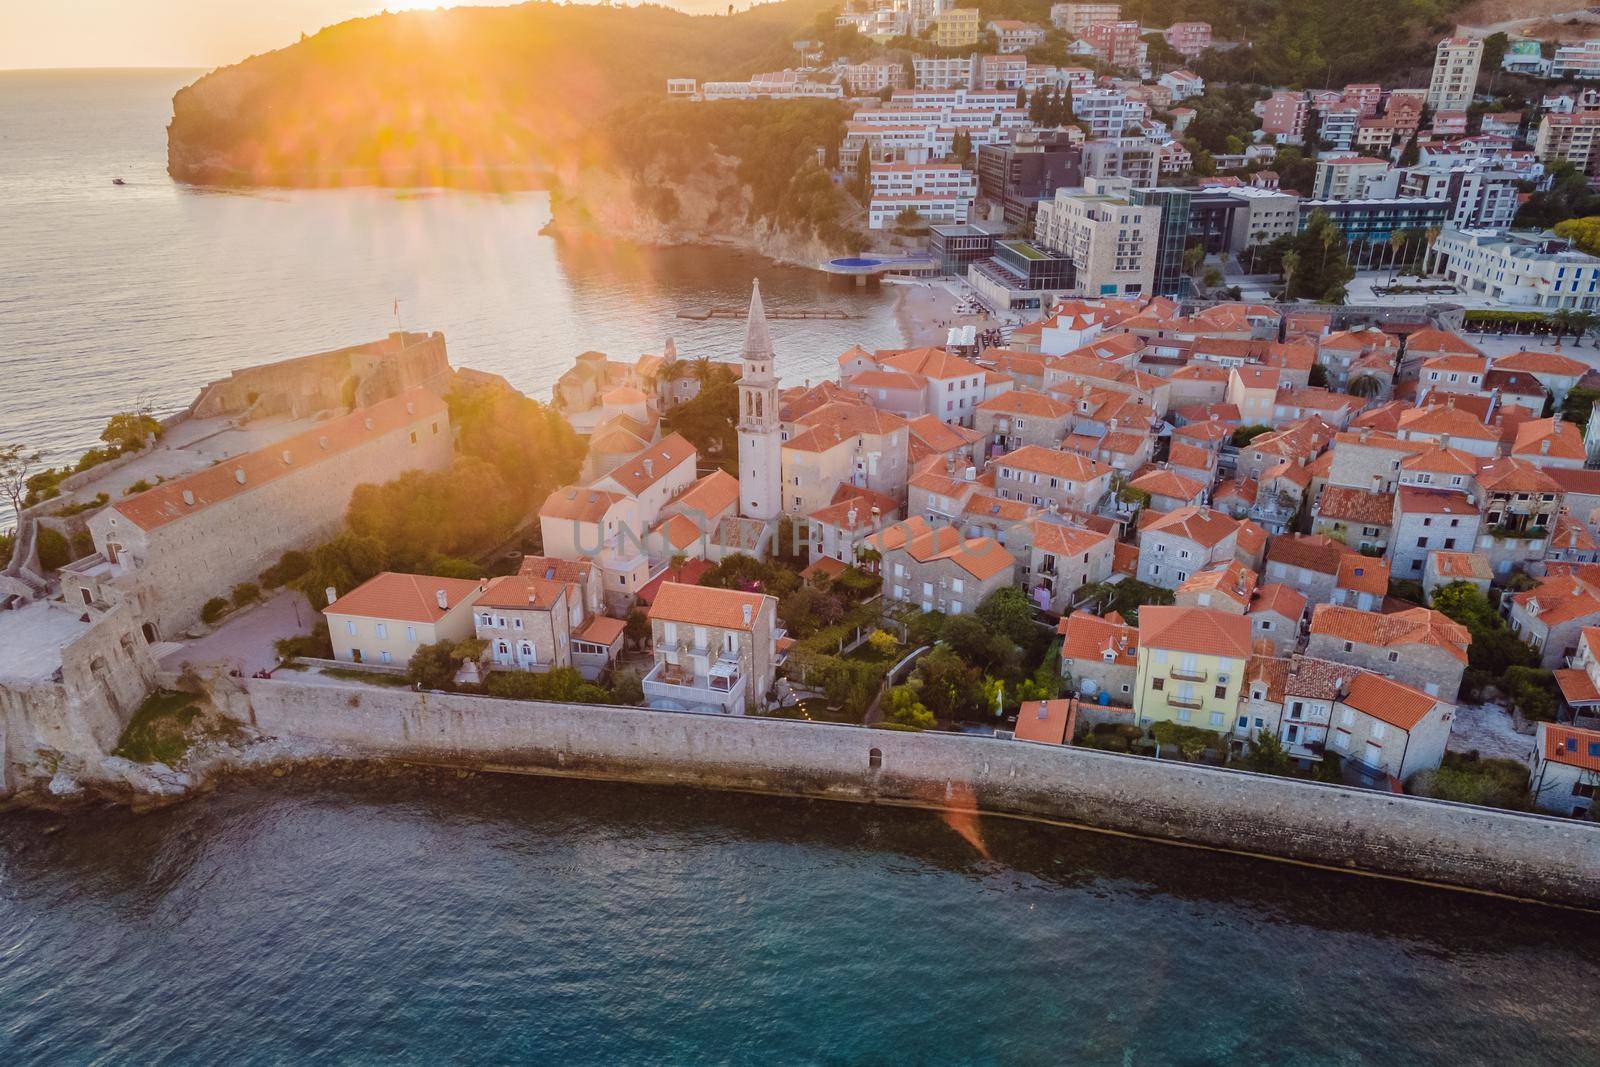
[434,666]
[948,686]
[127,431]
[903,708]
[1583,233]
[341,564]
[17,463]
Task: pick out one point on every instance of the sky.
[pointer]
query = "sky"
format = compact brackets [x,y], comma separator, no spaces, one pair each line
[170,33]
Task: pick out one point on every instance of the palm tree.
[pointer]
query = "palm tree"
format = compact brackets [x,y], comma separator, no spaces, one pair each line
[1563,322]
[1397,240]
[1291,265]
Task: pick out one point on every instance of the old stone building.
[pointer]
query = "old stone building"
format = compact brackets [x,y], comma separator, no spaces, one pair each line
[1418,647]
[716,650]
[358,376]
[193,538]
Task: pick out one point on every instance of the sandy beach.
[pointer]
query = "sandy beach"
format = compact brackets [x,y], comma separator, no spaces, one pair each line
[927,310]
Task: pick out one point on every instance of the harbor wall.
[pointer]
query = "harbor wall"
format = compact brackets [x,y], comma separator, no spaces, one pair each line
[1460,845]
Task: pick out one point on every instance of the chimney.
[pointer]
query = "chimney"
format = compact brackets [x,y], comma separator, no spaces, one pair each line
[288,457]
[972,474]
[367,423]
[331,593]
[188,497]
[442,598]
[238,475]
[850,518]
[1449,400]
[323,443]
[411,409]
[749,614]
[649,468]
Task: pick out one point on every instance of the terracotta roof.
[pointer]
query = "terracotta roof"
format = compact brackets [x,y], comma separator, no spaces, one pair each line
[1572,480]
[988,506]
[1065,540]
[1068,465]
[1460,364]
[710,495]
[1542,363]
[1387,700]
[826,566]
[1252,538]
[1414,501]
[1319,679]
[1550,438]
[404,597]
[1278,599]
[1243,489]
[1271,671]
[1362,574]
[1211,433]
[839,513]
[1257,377]
[1356,505]
[523,592]
[932,363]
[1167,483]
[192,493]
[707,606]
[1313,552]
[1197,630]
[1027,402]
[1571,535]
[1515,476]
[651,465]
[1461,566]
[1438,341]
[688,574]
[1089,637]
[578,503]
[1445,419]
[1125,558]
[1439,460]
[887,379]
[1201,525]
[1560,599]
[1182,455]
[1045,721]
[832,424]
[1233,580]
[602,630]
[577,571]
[1576,687]
[1417,626]
[940,436]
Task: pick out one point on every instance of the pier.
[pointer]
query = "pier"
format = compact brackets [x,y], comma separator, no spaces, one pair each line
[702,314]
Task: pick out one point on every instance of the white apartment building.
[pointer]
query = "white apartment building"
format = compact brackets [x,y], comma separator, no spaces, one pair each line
[1348,178]
[1104,112]
[1339,124]
[1518,269]
[1483,197]
[938,192]
[1455,73]
[874,76]
[943,72]
[1111,242]
[780,85]
[1016,36]
[1074,18]
[1577,60]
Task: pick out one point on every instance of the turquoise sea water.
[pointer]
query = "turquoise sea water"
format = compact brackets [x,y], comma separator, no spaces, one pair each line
[533,921]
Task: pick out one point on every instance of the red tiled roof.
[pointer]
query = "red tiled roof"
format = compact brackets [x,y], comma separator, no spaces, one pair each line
[404,597]
[1046,721]
[1197,630]
[702,605]
[1416,626]
[1201,525]
[1387,700]
[1089,637]
[192,493]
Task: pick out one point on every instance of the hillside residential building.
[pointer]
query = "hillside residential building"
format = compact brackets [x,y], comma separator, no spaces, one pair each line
[1284,115]
[1579,61]
[1566,769]
[1064,559]
[1046,478]
[957,28]
[1190,666]
[1552,616]
[385,619]
[1021,417]
[1075,18]
[1429,521]
[1569,138]
[543,617]
[1188,39]
[716,650]
[843,444]
[1117,43]
[1013,35]
[1455,73]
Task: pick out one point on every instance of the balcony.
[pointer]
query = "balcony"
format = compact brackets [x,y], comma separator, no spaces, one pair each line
[1192,703]
[719,690]
[1184,674]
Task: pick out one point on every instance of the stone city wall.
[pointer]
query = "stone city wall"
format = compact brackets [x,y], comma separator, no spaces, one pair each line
[1462,845]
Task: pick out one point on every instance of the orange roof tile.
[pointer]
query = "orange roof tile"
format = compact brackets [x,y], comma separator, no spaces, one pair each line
[1515,476]
[1576,687]
[1068,465]
[1356,505]
[1445,419]
[602,630]
[1542,363]
[578,503]
[1168,483]
[651,465]
[1233,579]
[1027,402]
[1362,574]
[1201,525]
[834,423]
[1550,438]
[1198,630]
[1089,637]
[710,495]
[404,597]
[1046,721]
[1560,599]
[192,493]
[1275,598]
[1416,626]
[1387,700]
[1271,671]
[522,591]
[1461,566]
[708,606]
[1431,340]
[1125,558]
[933,363]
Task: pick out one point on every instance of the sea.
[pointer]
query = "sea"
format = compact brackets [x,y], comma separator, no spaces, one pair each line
[409,918]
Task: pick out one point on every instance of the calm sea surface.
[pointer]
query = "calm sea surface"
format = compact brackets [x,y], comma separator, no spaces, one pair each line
[520,920]
[109,293]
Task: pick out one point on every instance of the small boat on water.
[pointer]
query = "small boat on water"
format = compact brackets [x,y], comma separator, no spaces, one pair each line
[118,181]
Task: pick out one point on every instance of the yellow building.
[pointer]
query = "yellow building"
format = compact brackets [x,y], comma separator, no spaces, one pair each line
[1191,666]
[957,28]
[386,619]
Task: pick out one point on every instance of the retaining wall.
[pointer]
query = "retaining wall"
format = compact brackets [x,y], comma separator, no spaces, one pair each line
[1462,845]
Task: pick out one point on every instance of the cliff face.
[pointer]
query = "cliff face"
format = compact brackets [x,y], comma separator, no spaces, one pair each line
[482,97]
[709,207]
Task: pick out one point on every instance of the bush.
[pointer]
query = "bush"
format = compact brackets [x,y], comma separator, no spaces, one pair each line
[140,486]
[563,685]
[315,645]
[883,644]
[291,566]
[246,593]
[54,552]
[214,609]
[1190,741]
[158,731]
[82,544]
[434,666]
[1468,779]
[100,500]
[1245,434]
[904,709]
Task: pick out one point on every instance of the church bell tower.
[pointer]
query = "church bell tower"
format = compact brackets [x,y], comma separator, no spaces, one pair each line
[760,444]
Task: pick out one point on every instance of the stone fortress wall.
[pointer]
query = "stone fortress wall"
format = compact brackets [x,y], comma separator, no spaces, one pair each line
[1461,845]
[360,376]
